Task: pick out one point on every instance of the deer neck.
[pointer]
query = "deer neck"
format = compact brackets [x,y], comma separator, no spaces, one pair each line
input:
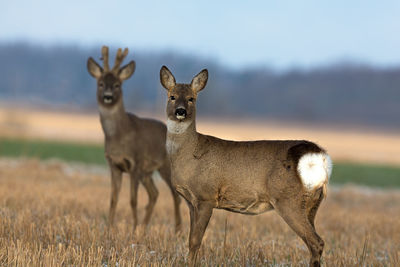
[181,137]
[113,119]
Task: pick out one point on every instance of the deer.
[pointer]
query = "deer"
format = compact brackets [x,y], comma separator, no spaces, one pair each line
[247,177]
[132,144]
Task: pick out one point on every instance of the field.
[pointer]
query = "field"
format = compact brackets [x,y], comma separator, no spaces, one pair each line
[55,191]
[54,214]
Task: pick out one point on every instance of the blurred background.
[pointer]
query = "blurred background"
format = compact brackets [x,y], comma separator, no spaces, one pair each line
[324,71]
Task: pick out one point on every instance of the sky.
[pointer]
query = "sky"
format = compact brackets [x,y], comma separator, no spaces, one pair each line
[278,34]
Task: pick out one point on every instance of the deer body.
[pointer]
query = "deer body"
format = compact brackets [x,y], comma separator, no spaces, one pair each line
[245,177]
[240,176]
[132,145]
[130,141]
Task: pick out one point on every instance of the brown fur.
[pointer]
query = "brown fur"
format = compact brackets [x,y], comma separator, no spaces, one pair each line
[244,177]
[132,144]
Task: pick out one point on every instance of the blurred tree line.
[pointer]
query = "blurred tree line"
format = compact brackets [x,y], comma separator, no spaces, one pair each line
[345,93]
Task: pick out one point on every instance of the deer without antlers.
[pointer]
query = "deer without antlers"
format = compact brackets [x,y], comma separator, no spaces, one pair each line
[133,145]
[245,177]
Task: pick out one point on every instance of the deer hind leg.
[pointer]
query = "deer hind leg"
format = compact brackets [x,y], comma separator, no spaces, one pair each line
[299,221]
[133,200]
[314,208]
[165,172]
[152,192]
[199,217]
[116,180]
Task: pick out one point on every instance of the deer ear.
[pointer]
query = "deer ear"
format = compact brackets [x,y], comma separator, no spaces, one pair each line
[126,71]
[199,81]
[166,78]
[93,68]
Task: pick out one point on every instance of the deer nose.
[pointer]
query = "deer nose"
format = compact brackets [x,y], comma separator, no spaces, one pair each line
[180,112]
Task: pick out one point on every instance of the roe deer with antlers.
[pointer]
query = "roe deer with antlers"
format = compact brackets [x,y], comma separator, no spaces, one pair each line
[132,144]
[245,177]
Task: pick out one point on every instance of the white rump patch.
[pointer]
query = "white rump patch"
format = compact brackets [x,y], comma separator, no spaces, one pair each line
[314,169]
[177,127]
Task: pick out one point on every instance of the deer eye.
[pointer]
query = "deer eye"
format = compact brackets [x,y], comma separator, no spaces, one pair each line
[116,86]
[191,99]
[172,97]
[101,85]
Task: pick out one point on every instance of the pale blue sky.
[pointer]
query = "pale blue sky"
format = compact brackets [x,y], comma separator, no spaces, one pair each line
[280,33]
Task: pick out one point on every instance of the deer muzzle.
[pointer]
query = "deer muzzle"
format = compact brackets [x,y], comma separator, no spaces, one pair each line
[180,113]
[108,97]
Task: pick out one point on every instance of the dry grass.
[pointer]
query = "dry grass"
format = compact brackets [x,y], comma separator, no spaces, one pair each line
[343,144]
[54,214]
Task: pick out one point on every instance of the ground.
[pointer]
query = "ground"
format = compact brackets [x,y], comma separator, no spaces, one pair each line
[53,213]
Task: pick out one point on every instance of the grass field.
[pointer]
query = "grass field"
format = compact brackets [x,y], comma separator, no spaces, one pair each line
[362,174]
[55,214]
[67,151]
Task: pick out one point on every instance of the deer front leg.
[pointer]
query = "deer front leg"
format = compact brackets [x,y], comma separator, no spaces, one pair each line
[133,201]
[116,179]
[165,173]
[177,202]
[152,192]
[199,217]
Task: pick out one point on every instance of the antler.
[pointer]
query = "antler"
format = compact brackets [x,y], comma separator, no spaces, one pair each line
[104,53]
[119,58]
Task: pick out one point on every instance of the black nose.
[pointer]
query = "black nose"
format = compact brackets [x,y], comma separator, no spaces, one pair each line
[180,112]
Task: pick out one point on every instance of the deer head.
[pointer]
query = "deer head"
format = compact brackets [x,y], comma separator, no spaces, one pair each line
[181,105]
[109,82]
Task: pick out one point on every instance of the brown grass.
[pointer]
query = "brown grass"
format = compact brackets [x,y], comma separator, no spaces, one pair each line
[55,214]
[342,144]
